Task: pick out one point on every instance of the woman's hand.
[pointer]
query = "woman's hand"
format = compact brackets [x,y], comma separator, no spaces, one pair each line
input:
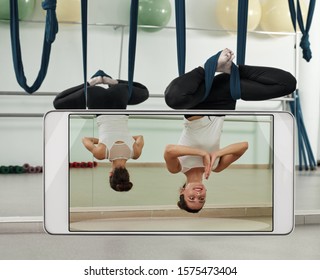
[207,164]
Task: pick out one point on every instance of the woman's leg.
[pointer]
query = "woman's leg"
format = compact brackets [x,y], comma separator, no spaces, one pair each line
[139,94]
[115,97]
[72,98]
[187,90]
[257,83]
[262,83]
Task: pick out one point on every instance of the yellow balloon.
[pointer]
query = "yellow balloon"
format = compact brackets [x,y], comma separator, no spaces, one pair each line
[68,10]
[226,12]
[276,15]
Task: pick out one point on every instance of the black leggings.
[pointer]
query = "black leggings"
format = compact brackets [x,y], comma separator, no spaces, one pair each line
[114,97]
[257,83]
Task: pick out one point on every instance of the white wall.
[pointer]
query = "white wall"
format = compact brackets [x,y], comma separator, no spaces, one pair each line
[156,65]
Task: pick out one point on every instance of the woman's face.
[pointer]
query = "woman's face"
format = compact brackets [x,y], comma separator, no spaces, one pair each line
[194,195]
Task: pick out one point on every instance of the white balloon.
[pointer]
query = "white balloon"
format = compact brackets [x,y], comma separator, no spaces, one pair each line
[226,12]
[69,10]
[276,15]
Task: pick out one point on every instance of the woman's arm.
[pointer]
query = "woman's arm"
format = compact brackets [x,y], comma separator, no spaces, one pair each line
[137,146]
[172,152]
[228,155]
[97,149]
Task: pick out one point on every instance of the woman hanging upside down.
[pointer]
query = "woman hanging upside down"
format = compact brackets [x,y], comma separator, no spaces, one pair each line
[198,150]
[115,142]
[256,83]
[103,92]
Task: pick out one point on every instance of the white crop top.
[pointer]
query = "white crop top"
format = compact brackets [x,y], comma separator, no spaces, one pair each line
[114,133]
[203,133]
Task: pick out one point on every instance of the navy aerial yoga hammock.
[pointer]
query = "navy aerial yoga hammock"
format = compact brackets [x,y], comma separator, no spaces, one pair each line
[84,27]
[305,43]
[49,37]
[211,63]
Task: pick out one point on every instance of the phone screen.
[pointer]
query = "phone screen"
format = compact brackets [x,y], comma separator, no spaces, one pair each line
[238,198]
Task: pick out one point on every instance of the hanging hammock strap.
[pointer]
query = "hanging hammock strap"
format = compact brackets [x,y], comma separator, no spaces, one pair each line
[180,11]
[304,43]
[134,8]
[242,31]
[211,64]
[84,29]
[51,30]
[210,68]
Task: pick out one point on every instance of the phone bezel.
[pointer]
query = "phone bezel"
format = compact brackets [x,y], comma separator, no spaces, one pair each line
[56,170]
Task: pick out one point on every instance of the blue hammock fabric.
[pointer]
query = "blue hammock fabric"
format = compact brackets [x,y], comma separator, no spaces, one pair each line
[134,8]
[304,43]
[306,157]
[211,63]
[84,28]
[242,31]
[50,34]
[210,68]
[180,11]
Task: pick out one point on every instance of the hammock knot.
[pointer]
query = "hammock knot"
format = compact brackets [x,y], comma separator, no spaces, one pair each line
[305,45]
[51,20]
[49,4]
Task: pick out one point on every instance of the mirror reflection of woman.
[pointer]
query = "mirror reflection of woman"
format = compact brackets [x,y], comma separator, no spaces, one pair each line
[198,151]
[115,144]
[197,154]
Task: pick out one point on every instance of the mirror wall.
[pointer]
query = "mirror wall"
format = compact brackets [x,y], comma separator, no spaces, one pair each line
[242,193]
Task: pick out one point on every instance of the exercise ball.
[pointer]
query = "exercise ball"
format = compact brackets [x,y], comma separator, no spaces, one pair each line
[226,12]
[25,7]
[154,13]
[276,16]
[68,10]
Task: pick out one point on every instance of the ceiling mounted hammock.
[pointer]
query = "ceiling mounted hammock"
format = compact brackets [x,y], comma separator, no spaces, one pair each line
[211,63]
[84,29]
[297,16]
[51,29]
[306,156]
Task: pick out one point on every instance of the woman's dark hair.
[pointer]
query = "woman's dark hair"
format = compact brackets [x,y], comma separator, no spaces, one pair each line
[120,180]
[183,205]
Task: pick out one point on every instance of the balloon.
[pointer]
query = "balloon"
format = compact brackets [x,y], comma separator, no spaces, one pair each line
[25,7]
[68,10]
[276,16]
[154,13]
[226,12]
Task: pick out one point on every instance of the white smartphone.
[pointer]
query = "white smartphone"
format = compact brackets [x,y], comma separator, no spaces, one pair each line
[253,194]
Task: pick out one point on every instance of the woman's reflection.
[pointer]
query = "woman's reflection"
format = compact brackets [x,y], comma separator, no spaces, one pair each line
[115,144]
[198,153]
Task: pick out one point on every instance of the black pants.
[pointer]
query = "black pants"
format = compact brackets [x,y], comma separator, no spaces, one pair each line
[257,83]
[114,97]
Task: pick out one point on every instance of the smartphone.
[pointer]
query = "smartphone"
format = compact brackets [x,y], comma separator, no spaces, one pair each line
[252,195]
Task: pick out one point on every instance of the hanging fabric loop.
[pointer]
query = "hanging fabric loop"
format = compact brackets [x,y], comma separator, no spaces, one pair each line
[50,32]
[51,19]
[84,29]
[242,31]
[211,64]
[297,16]
[134,8]
[180,11]
[210,68]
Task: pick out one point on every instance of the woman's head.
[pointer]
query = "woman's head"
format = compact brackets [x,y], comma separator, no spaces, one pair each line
[120,180]
[192,197]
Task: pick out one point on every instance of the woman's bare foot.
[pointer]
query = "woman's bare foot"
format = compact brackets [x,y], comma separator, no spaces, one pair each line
[109,81]
[225,61]
[95,81]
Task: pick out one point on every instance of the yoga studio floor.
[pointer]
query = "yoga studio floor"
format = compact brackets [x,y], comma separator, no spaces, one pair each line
[22,235]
